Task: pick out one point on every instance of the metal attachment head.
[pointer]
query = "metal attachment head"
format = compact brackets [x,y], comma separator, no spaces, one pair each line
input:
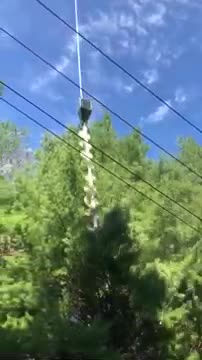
[85,110]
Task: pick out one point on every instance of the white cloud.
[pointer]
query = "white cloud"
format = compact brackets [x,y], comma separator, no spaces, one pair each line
[53,96]
[104,23]
[96,76]
[126,21]
[158,115]
[125,44]
[151,76]
[43,80]
[162,53]
[154,52]
[128,88]
[135,6]
[157,17]
[145,14]
[193,3]
[180,96]
[63,63]
[141,30]
[102,28]
[71,45]
[113,31]
[119,32]
[149,16]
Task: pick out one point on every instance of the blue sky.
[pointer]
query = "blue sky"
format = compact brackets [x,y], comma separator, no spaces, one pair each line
[159,41]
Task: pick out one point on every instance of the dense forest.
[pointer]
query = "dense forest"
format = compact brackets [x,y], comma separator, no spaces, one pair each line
[132,290]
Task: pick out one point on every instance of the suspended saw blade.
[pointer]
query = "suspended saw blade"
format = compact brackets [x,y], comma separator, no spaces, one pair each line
[87,157]
[91,204]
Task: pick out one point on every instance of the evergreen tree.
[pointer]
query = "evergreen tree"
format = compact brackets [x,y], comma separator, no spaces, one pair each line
[130,290]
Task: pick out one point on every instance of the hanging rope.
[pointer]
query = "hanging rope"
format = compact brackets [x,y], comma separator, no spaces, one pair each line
[78,48]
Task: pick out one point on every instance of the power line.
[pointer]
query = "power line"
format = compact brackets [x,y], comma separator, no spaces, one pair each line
[100,165]
[104,153]
[102,104]
[120,67]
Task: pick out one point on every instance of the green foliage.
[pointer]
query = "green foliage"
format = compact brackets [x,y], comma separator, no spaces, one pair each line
[9,141]
[130,290]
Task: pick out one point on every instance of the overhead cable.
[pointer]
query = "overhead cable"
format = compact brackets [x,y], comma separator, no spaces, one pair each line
[120,67]
[100,165]
[138,177]
[102,104]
